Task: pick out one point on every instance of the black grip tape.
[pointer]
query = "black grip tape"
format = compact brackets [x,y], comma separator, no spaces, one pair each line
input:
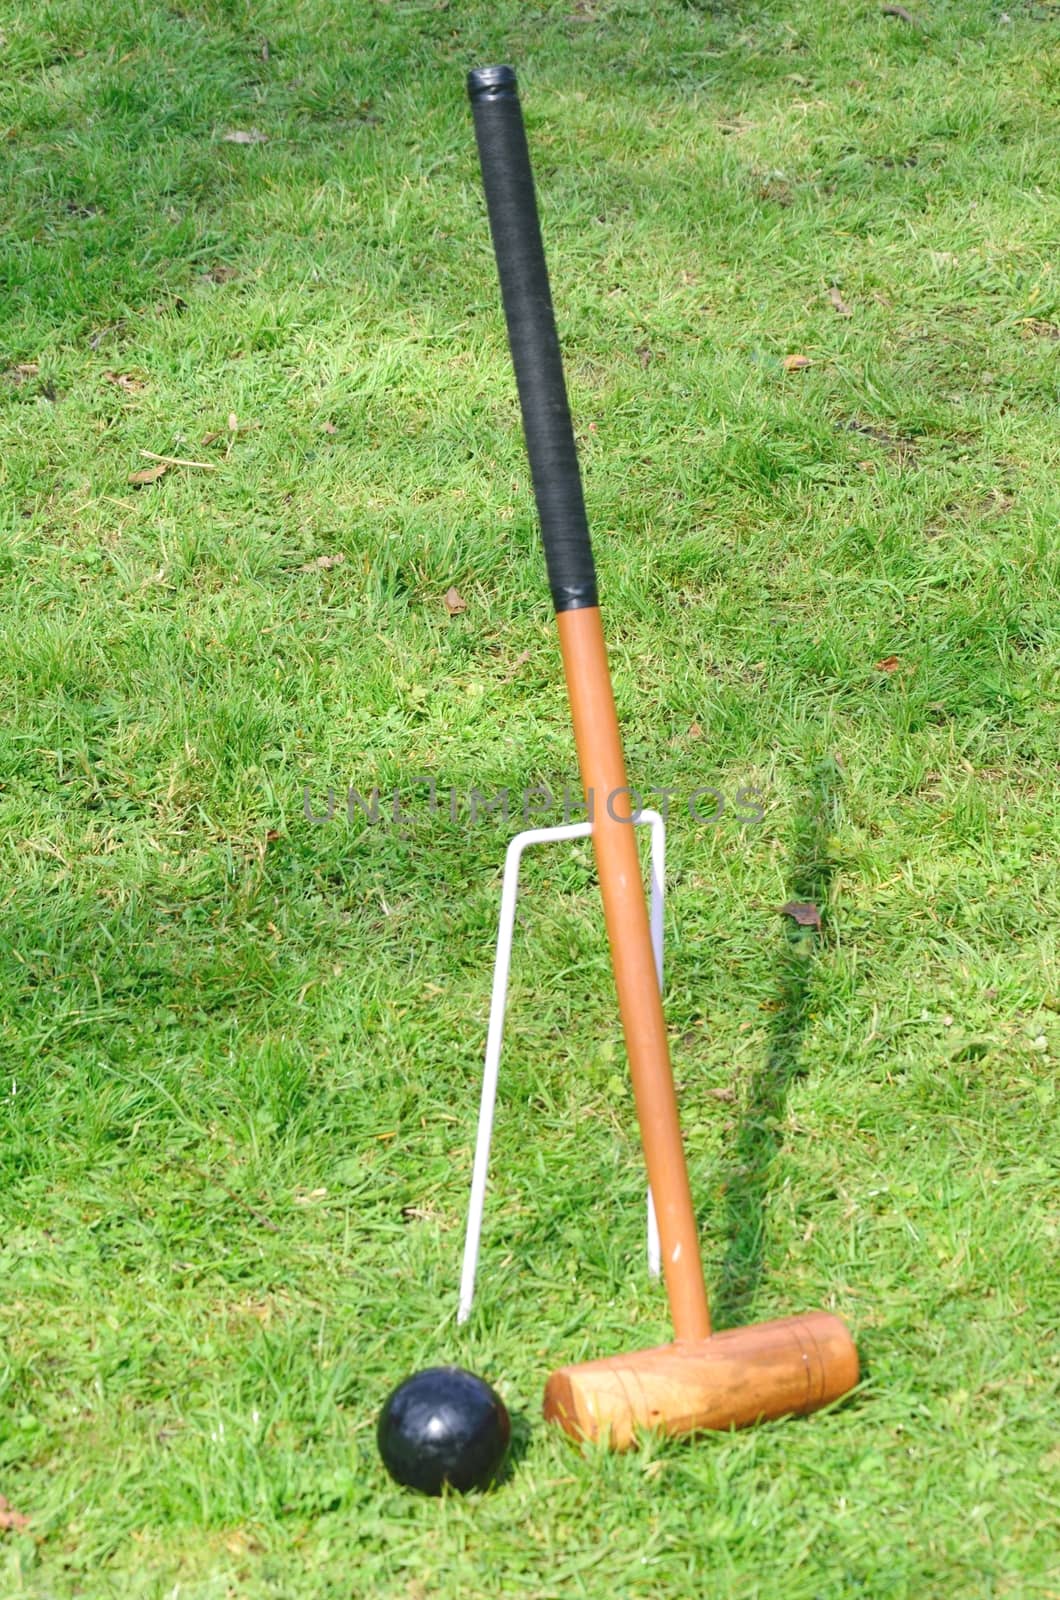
[512,207]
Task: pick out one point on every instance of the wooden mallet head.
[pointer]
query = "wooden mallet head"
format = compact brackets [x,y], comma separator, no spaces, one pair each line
[732,1379]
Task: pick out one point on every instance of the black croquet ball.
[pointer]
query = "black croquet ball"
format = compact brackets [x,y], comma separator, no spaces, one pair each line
[443,1425]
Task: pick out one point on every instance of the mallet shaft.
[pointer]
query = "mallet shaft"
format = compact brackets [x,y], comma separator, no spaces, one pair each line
[603,772]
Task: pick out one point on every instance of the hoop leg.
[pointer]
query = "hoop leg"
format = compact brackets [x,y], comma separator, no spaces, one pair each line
[658,893]
[498,1002]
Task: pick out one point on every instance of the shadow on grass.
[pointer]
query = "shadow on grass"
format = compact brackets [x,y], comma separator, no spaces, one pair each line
[760,1132]
[522,1436]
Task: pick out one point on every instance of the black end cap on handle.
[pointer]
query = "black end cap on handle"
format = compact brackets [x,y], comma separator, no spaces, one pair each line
[491,83]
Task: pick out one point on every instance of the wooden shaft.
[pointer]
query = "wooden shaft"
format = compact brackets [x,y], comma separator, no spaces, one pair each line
[733,1379]
[640,1005]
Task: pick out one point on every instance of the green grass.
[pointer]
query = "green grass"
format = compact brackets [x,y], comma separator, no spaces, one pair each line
[240,1050]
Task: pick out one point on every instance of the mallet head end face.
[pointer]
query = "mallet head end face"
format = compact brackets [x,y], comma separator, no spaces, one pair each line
[773,1369]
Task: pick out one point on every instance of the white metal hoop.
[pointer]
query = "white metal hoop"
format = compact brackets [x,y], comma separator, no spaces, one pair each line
[498,1003]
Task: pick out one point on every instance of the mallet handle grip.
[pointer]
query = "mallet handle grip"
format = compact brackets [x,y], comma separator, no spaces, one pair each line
[509,184]
[538,365]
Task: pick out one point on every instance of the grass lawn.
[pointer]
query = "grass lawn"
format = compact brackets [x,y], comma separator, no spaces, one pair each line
[241,1047]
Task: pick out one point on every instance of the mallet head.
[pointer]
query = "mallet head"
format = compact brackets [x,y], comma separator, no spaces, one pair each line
[745,1375]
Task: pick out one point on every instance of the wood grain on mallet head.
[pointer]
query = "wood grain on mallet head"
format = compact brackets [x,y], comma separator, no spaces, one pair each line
[746,1375]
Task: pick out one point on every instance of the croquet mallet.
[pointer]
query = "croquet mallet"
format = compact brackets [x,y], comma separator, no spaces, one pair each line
[701,1380]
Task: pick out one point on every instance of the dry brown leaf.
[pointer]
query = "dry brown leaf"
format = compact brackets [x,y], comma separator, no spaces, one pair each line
[722,1094]
[520,661]
[454,602]
[124,380]
[888,664]
[804,912]
[901,13]
[148,474]
[695,731]
[11,1521]
[324,563]
[23,370]
[839,303]
[796,363]
[102,334]
[243,136]
[211,438]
